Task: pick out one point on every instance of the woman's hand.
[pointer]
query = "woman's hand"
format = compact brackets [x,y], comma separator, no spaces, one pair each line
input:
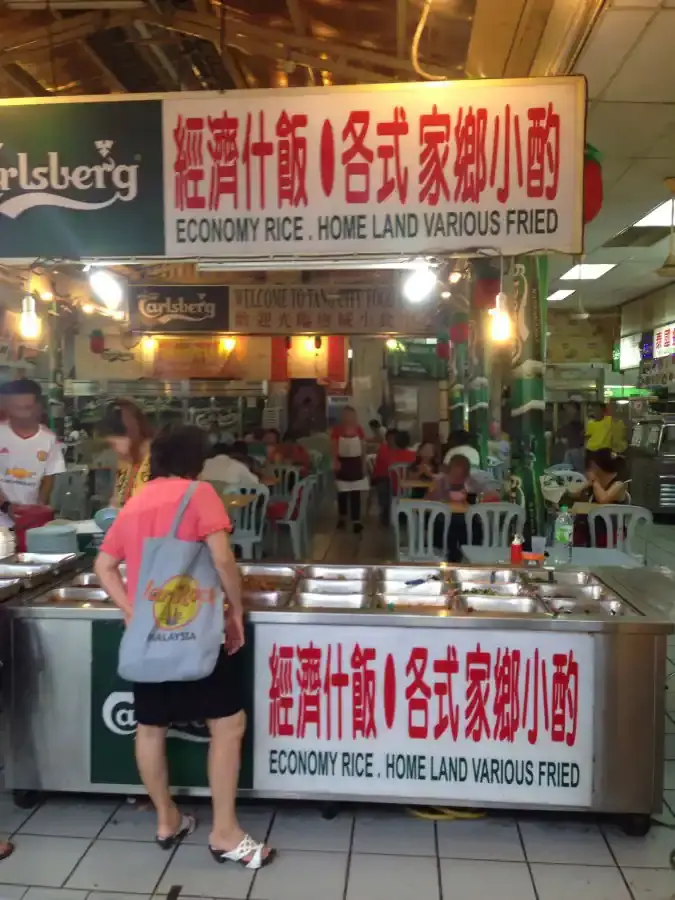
[234,634]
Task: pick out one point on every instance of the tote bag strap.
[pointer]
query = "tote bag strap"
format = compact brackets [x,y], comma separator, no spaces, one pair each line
[182,506]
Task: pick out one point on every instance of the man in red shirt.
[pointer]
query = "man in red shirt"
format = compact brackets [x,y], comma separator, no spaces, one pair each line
[395,449]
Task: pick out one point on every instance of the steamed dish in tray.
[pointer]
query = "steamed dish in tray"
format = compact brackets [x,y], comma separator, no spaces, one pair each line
[265,583]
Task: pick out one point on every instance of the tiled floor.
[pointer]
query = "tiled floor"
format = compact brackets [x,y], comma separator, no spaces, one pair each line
[103,849]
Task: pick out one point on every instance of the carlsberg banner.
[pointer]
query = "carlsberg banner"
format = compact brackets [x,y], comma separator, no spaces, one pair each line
[377,170]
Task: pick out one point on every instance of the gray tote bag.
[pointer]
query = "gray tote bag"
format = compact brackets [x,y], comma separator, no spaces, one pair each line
[178,623]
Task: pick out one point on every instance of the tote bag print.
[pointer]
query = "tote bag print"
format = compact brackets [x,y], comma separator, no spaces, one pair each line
[175,606]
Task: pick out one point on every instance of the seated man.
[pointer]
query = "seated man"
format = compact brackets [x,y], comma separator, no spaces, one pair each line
[224,467]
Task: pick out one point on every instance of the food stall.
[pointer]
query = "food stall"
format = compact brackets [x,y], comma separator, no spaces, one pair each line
[517,688]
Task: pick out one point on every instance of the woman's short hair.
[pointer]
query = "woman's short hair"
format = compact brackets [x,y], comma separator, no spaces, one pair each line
[179,451]
[605,459]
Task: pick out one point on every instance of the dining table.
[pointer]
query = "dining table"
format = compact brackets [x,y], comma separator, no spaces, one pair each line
[582,557]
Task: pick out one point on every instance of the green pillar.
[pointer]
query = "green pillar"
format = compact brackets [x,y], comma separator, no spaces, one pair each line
[459,327]
[55,394]
[478,383]
[528,449]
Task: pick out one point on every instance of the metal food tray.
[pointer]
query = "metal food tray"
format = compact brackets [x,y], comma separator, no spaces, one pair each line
[28,575]
[575,606]
[53,560]
[484,576]
[86,579]
[265,599]
[9,587]
[512,589]
[74,595]
[403,589]
[394,601]
[285,572]
[337,573]
[331,601]
[502,606]
[324,586]
[410,573]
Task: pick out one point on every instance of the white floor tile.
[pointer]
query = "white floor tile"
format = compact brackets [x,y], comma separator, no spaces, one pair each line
[565,842]
[373,877]
[12,892]
[42,861]
[11,817]
[480,839]
[253,818]
[651,884]
[296,875]
[470,880]
[201,875]
[670,725]
[392,831]
[107,895]
[650,852]
[584,882]
[306,830]
[669,775]
[39,893]
[131,824]
[120,866]
[670,746]
[70,818]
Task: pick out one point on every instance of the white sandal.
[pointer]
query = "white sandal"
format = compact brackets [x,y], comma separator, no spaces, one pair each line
[246,847]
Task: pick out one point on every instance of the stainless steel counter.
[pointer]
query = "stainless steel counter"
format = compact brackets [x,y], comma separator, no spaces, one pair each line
[602,635]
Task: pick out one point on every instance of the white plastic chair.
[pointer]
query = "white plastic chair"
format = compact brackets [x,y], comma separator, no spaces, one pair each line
[559,467]
[287,477]
[499,520]
[495,468]
[398,472]
[249,521]
[297,516]
[621,522]
[570,477]
[419,526]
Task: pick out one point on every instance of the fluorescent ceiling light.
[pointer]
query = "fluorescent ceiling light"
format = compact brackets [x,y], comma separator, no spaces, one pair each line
[557,296]
[410,263]
[587,272]
[660,217]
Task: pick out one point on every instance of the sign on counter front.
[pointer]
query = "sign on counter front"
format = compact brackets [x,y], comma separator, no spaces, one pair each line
[504,716]
[290,308]
[178,308]
[385,169]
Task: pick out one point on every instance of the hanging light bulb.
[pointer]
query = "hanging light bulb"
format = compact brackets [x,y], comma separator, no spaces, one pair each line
[30,326]
[455,277]
[420,284]
[228,344]
[501,327]
[107,288]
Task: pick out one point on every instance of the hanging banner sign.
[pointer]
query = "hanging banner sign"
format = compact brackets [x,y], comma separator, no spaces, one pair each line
[405,168]
[374,170]
[429,714]
[178,308]
[283,309]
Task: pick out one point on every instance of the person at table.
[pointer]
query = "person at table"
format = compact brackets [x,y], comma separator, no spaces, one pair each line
[603,486]
[127,432]
[424,468]
[177,457]
[453,485]
[227,466]
[349,465]
[31,455]
[462,443]
[286,452]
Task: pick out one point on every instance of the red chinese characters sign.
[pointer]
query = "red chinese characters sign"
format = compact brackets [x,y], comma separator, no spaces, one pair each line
[440,713]
[414,168]
[664,341]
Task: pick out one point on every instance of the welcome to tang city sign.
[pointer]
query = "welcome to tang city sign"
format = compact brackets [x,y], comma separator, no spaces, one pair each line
[373,170]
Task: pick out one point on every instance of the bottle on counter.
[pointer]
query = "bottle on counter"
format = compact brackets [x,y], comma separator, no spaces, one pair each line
[517,551]
[563,531]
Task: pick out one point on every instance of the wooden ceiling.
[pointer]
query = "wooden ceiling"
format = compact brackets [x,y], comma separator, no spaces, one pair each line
[71,47]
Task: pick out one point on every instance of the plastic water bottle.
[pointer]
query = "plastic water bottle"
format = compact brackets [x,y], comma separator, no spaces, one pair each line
[562,537]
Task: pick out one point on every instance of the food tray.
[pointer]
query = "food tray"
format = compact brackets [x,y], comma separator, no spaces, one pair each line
[402,589]
[265,599]
[331,601]
[337,573]
[86,579]
[615,607]
[502,606]
[53,560]
[574,606]
[485,576]
[9,587]
[325,586]
[410,573]
[395,601]
[74,595]
[497,590]
[28,575]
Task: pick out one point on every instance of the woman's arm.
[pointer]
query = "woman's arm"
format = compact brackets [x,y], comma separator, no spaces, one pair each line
[226,566]
[613,494]
[107,569]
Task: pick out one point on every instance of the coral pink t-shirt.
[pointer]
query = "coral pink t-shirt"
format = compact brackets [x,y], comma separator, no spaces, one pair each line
[150,514]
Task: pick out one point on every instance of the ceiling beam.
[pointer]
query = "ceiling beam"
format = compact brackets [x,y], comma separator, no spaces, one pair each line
[24,81]
[401,28]
[66,31]
[111,80]
[301,26]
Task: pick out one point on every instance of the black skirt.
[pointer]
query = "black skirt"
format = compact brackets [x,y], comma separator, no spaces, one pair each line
[219,695]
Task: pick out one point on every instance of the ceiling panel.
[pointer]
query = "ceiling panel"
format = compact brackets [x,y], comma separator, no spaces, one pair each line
[649,70]
[612,38]
[630,128]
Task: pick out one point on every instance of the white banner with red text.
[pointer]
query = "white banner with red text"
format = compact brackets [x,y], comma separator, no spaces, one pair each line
[431,714]
[432,168]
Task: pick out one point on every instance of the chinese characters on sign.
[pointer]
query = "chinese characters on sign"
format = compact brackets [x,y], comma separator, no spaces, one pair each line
[293,309]
[425,713]
[664,341]
[408,168]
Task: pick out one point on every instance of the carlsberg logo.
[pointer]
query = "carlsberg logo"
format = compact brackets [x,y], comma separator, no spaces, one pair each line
[119,717]
[45,184]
